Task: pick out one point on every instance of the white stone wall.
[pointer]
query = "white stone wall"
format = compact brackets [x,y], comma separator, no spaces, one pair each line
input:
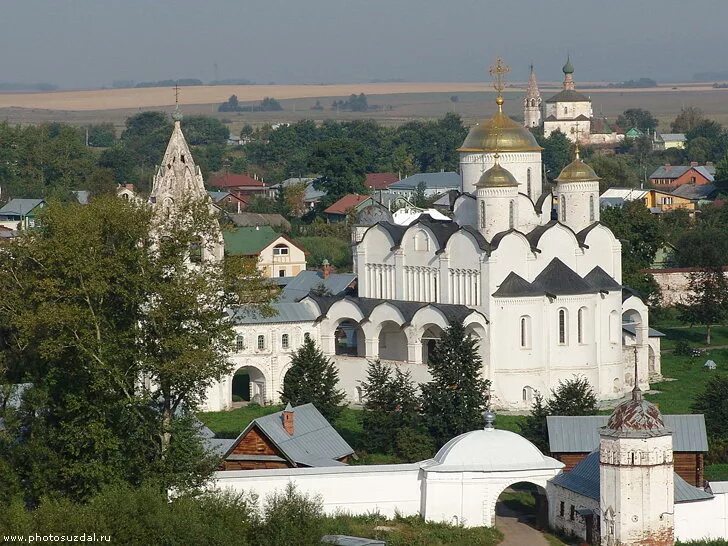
[570,128]
[704,520]
[497,210]
[637,487]
[473,165]
[387,489]
[582,204]
[673,284]
[576,526]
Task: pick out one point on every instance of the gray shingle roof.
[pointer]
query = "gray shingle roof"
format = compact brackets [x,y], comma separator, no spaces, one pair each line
[674,171]
[559,279]
[284,312]
[601,280]
[314,441]
[305,281]
[630,329]
[20,207]
[441,229]
[515,286]
[407,308]
[580,434]
[568,95]
[695,191]
[584,480]
[433,181]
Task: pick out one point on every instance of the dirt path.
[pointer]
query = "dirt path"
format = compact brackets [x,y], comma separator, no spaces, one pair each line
[515,530]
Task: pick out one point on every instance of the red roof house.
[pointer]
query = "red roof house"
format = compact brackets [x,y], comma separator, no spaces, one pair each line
[338,211]
[238,183]
[380,181]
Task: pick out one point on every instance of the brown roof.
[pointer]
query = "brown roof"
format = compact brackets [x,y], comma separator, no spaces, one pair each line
[380,181]
[232,180]
[346,203]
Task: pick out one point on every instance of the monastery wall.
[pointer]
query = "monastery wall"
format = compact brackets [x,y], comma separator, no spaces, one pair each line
[702,520]
[387,489]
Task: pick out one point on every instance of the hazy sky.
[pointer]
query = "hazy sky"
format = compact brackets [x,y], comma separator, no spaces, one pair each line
[77,43]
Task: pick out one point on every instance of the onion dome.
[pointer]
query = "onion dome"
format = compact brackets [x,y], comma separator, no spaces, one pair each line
[636,418]
[497,177]
[577,171]
[568,67]
[499,133]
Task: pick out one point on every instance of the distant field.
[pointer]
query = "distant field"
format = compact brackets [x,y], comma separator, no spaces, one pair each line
[397,102]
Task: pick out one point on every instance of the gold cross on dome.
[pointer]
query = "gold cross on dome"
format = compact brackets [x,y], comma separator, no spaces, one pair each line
[498,72]
[576,132]
[176,94]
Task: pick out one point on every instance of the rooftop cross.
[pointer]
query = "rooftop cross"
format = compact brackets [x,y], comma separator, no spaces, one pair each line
[498,72]
[636,392]
[577,139]
[177,116]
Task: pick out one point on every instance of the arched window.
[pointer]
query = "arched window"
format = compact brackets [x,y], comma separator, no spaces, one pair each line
[482,215]
[533,102]
[196,251]
[285,341]
[528,182]
[527,394]
[422,241]
[280,250]
[511,214]
[239,343]
[562,198]
[566,110]
[563,327]
[614,327]
[525,332]
[580,319]
[592,213]
[261,342]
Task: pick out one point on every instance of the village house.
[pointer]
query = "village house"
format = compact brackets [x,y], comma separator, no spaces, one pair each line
[433,183]
[19,214]
[297,437]
[658,201]
[669,177]
[240,184]
[278,256]
[228,201]
[365,208]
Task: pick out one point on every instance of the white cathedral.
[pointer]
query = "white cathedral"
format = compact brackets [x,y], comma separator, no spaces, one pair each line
[538,285]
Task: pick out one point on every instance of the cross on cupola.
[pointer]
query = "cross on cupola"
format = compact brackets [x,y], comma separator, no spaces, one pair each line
[498,72]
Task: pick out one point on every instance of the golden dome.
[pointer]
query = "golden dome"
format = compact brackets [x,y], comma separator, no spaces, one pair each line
[499,134]
[497,177]
[577,171]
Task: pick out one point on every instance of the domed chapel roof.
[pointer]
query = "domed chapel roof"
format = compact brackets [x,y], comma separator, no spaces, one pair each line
[577,171]
[497,177]
[499,133]
[490,449]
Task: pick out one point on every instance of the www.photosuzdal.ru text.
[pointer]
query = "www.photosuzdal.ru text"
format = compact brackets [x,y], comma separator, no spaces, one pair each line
[50,538]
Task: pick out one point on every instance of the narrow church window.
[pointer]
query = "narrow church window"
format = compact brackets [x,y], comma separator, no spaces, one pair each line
[580,324]
[528,182]
[196,251]
[614,327]
[285,341]
[533,102]
[561,509]
[239,344]
[562,326]
[525,332]
[566,110]
[527,394]
[422,242]
[511,214]
[482,214]
[562,198]
[591,208]
[572,513]
[261,343]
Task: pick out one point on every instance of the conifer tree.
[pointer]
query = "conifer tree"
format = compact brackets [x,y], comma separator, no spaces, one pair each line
[313,378]
[453,401]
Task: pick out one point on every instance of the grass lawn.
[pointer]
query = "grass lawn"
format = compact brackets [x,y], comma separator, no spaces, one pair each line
[411,531]
[691,376]
[695,336]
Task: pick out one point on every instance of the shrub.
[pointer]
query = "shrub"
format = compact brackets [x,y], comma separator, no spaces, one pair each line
[291,518]
[682,348]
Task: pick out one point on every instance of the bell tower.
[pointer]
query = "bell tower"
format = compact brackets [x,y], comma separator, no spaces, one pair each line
[532,103]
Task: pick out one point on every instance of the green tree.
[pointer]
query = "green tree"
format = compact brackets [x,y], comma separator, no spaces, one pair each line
[453,401]
[638,118]
[109,308]
[313,378]
[341,165]
[557,153]
[102,135]
[707,300]
[688,118]
[713,403]
[269,104]
[571,397]
[230,105]
[201,130]
[419,197]
[616,170]
[704,246]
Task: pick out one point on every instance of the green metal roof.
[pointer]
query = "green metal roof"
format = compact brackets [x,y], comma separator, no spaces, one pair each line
[248,241]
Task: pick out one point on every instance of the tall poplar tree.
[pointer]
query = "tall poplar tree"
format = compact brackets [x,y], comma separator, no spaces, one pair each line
[454,400]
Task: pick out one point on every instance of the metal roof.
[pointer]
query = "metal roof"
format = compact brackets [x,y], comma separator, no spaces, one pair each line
[630,329]
[584,480]
[314,441]
[568,95]
[580,434]
[20,207]
[299,286]
[675,171]
[439,180]
[284,312]
[673,137]
[695,191]
[719,488]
